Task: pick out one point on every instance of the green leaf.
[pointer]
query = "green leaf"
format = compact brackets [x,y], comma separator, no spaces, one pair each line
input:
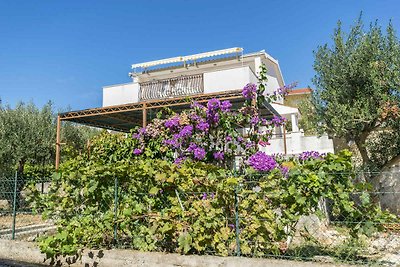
[154,191]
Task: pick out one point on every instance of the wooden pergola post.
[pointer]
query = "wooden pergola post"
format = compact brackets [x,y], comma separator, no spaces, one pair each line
[58,142]
[144,115]
[284,139]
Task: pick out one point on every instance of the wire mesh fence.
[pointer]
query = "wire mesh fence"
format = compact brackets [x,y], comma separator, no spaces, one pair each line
[256,229]
[17,218]
[243,219]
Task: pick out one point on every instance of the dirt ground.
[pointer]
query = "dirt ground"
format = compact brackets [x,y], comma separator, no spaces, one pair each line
[21,220]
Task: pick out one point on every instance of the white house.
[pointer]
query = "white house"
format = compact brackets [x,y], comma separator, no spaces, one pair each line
[176,82]
[205,73]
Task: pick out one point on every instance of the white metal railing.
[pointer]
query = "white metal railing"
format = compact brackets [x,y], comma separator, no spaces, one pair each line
[173,87]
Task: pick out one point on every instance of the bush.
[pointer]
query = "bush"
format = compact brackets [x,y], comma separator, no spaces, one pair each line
[172,187]
[186,208]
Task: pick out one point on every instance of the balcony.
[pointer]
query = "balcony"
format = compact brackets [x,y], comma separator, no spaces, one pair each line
[173,87]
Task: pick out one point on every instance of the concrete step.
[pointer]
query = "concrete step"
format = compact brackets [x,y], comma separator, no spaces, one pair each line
[30,230]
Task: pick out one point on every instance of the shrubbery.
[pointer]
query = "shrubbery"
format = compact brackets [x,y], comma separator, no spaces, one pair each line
[173,186]
[189,208]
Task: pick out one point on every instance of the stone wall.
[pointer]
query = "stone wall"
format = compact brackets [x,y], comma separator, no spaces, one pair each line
[389,187]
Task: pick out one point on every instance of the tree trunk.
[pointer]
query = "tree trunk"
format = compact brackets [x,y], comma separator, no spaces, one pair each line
[369,176]
[360,142]
[391,162]
[21,165]
[20,182]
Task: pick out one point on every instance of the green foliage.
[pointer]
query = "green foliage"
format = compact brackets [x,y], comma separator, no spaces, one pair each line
[39,172]
[358,87]
[213,132]
[76,139]
[188,208]
[308,120]
[28,134]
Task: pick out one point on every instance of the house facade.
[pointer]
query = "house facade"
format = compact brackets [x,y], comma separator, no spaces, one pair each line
[177,82]
[205,73]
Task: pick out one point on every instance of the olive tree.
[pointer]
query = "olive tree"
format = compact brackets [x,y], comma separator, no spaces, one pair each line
[28,134]
[357,94]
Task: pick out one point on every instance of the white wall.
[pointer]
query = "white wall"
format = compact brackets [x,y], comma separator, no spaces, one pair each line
[296,143]
[120,94]
[214,81]
[272,84]
[226,80]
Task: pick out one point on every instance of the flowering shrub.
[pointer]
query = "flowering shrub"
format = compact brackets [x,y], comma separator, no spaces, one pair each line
[189,206]
[212,132]
[310,155]
[262,162]
[250,91]
[176,190]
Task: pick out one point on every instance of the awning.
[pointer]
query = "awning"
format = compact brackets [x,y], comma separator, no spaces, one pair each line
[284,110]
[125,117]
[188,58]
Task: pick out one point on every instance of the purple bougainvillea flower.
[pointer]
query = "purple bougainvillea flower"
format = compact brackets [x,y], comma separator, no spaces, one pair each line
[186,131]
[196,104]
[250,145]
[199,153]
[254,120]
[212,117]
[226,106]
[137,151]
[278,121]
[179,160]
[192,147]
[172,122]
[136,136]
[283,91]
[264,121]
[213,104]
[204,196]
[310,155]
[203,126]
[194,117]
[172,142]
[219,155]
[263,143]
[142,131]
[249,91]
[284,170]
[261,161]
[228,138]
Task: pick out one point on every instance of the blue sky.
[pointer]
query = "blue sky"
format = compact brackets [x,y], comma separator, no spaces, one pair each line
[65,51]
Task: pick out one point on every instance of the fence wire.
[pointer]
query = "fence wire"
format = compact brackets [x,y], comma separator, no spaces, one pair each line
[321,235]
[17,219]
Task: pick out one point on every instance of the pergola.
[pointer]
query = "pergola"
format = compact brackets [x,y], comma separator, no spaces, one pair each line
[123,118]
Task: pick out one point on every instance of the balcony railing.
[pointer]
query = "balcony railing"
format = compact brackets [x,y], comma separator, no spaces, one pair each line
[174,87]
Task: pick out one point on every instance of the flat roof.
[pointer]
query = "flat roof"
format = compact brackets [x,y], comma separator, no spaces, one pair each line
[123,118]
[188,58]
[300,91]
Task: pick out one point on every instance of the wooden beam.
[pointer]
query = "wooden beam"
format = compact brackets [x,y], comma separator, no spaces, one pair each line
[284,139]
[58,142]
[225,95]
[123,118]
[144,115]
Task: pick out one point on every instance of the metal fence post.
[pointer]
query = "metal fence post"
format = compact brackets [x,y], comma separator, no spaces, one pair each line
[237,222]
[115,208]
[14,206]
